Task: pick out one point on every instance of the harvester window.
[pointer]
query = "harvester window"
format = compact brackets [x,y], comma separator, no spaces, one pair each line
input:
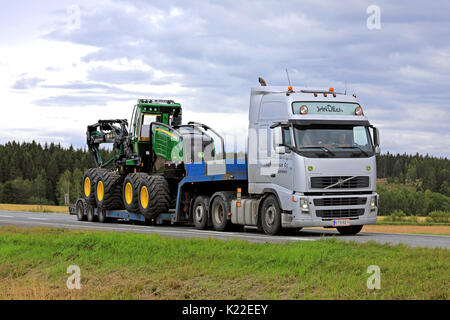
[147,119]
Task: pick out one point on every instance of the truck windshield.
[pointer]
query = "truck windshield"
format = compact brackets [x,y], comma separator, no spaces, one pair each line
[333,140]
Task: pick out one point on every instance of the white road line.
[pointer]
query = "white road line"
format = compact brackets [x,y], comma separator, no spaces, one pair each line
[6,216]
[37,218]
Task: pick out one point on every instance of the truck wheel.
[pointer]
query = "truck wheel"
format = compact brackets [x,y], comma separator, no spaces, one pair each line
[80,211]
[90,178]
[90,214]
[271,216]
[101,215]
[220,208]
[200,212]
[350,230]
[130,191]
[154,196]
[108,192]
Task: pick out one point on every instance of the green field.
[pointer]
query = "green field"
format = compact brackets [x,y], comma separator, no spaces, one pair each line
[33,264]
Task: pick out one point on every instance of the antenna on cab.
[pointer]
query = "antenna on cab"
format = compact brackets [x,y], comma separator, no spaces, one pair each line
[289,80]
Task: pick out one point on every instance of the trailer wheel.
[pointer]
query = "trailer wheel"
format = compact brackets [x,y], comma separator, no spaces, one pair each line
[350,230]
[154,196]
[200,212]
[80,211]
[130,191]
[90,178]
[108,192]
[101,215]
[271,216]
[90,213]
[220,208]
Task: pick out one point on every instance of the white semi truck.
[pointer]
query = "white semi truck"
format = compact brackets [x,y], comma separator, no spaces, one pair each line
[310,163]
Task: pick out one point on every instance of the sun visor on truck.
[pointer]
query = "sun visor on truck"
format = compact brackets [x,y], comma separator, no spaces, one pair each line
[308,122]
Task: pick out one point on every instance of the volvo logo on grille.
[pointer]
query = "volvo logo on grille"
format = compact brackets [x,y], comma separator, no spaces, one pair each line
[339,182]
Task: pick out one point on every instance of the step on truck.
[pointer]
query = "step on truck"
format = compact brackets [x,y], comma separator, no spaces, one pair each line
[310,163]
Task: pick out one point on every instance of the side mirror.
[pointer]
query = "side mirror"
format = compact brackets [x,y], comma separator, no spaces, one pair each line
[376,136]
[376,141]
[277,140]
[377,150]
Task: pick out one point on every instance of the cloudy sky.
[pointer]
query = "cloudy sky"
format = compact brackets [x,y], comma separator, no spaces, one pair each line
[66,64]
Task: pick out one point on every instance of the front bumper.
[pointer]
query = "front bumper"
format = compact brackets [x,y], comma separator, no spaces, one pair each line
[323,209]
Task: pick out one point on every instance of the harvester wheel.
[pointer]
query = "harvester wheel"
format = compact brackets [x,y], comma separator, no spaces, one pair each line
[89,182]
[108,191]
[130,191]
[154,196]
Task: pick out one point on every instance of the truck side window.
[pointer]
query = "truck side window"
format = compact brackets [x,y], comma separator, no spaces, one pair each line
[287,136]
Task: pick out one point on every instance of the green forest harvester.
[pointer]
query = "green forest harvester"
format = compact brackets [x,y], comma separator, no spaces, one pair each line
[142,179]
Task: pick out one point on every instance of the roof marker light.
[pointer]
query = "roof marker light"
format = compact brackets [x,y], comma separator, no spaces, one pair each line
[303,109]
[324,94]
[359,111]
[290,89]
[315,94]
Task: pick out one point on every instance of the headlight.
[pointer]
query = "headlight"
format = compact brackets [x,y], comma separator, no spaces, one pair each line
[373,203]
[304,205]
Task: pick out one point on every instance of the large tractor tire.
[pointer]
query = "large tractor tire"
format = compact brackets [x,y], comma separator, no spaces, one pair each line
[130,191]
[154,196]
[108,191]
[89,182]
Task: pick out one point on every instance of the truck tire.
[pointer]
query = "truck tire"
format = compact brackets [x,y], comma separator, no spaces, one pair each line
[90,213]
[154,196]
[200,212]
[101,212]
[271,216]
[220,208]
[108,191]
[130,191]
[80,211]
[90,178]
[350,230]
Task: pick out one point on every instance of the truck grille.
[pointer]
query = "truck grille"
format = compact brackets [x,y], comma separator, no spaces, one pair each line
[339,213]
[340,201]
[356,182]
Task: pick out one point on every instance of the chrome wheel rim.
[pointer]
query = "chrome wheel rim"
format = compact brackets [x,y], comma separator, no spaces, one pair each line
[218,213]
[199,212]
[270,215]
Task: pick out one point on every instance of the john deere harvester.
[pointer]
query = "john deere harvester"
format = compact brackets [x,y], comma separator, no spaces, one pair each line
[139,162]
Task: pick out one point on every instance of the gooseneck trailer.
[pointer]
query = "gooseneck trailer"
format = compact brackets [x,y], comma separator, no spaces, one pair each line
[310,162]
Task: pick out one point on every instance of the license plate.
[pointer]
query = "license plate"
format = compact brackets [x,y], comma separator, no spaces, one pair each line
[340,223]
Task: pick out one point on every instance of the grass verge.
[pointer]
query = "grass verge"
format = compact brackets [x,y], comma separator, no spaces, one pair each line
[33,265]
[34,208]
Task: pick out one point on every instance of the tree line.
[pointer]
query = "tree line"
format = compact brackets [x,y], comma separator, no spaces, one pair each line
[42,174]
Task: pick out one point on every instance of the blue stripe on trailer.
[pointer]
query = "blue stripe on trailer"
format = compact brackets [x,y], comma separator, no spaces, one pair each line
[123,215]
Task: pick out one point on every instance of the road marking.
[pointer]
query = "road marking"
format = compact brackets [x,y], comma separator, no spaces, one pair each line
[37,218]
[6,216]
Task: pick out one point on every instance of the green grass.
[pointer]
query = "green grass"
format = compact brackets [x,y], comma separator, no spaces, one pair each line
[33,264]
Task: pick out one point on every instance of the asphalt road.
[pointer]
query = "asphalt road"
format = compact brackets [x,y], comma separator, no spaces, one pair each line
[28,219]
